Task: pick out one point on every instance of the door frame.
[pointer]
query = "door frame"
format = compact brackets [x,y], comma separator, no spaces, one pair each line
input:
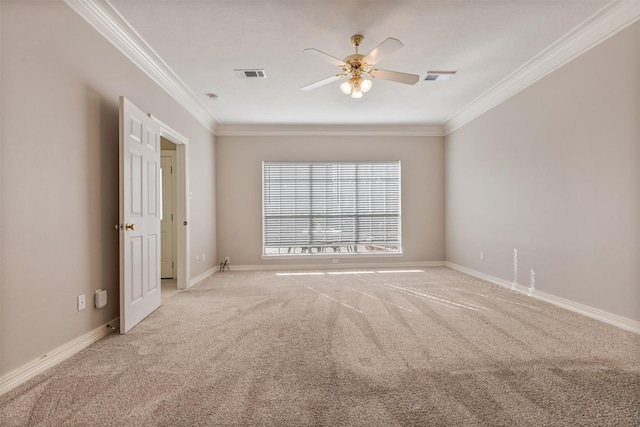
[181,195]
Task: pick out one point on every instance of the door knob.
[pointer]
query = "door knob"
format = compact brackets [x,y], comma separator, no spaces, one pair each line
[130,227]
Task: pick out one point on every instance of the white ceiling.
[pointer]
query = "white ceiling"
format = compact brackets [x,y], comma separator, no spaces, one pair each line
[484,41]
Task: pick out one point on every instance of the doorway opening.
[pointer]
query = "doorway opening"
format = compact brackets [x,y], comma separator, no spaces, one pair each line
[175,226]
[168,218]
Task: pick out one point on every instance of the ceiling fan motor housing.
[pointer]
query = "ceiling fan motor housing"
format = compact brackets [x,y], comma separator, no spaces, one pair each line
[355,63]
[356,40]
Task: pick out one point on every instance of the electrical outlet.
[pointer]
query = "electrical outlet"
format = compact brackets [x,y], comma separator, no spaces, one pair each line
[82,302]
[202,257]
[481,256]
[197,259]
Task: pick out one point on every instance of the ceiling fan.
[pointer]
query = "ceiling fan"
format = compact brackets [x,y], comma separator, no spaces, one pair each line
[357,66]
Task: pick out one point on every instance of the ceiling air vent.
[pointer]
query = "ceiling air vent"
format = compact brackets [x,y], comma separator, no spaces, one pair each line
[439,75]
[251,74]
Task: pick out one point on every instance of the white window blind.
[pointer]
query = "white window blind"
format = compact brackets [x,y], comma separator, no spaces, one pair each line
[338,207]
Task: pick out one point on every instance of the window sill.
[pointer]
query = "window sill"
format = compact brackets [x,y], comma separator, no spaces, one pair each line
[332,256]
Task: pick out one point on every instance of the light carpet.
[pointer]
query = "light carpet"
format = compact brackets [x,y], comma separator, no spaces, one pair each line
[428,347]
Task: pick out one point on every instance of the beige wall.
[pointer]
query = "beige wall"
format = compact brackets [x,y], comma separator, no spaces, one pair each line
[59,174]
[555,173]
[239,181]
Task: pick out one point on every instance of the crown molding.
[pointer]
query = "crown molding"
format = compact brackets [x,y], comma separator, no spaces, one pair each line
[104,18]
[329,130]
[611,19]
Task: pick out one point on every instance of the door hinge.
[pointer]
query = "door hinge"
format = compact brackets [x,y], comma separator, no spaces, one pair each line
[171,169]
[173,264]
[171,217]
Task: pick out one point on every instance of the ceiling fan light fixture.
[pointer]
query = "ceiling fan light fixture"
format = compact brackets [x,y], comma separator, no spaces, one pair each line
[365,85]
[357,93]
[356,86]
[346,87]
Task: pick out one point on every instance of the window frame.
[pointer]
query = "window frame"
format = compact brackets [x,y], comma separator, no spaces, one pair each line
[383,254]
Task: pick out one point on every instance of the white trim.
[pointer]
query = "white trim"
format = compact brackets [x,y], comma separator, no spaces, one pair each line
[329,130]
[183,234]
[611,19]
[331,255]
[35,367]
[585,310]
[283,267]
[203,276]
[485,277]
[183,197]
[102,16]
[169,133]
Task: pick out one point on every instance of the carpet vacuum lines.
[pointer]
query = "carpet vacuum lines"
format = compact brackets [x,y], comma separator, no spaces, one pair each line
[479,283]
[433,299]
[444,285]
[436,300]
[441,301]
[432,295]
[494,298]
[297,282]
[379,299]
[405,291]
[335,281]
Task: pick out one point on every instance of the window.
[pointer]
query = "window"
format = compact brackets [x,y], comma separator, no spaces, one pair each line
[321,207]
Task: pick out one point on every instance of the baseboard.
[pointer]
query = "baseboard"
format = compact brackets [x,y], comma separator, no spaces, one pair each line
[26,372]
[594,313]
[263,267]
[199,278]
[485,277]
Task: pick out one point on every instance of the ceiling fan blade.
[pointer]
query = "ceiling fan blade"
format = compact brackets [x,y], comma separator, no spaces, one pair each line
[385,48]
[325,56]
[395,76]
[322,82]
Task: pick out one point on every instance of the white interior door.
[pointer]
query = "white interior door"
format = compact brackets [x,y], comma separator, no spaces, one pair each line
[139,215]
[167,263]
